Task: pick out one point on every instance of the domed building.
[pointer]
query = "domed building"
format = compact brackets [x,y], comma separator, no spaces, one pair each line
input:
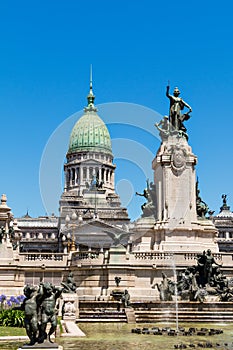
[89,191]
[93,238]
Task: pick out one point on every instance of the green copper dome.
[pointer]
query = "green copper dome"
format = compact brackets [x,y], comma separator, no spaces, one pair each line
[90,134]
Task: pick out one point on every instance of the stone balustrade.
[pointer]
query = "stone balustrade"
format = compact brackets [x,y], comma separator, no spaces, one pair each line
[94,257]
[87,258]
[162,258]
[42,256]
[153,256]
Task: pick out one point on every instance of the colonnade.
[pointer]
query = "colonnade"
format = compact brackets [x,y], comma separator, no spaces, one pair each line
[79,175]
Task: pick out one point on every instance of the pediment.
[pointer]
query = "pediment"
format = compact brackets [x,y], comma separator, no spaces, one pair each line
[100,231]
[99,225]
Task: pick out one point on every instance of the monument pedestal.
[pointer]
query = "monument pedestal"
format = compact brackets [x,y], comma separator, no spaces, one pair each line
[196,237]
[175,181]
[44,346]
[177,227]
[70,312]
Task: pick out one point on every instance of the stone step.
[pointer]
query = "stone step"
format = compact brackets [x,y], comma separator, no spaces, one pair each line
[230,313]
[188,312]
[102,320]
[130,314]
[184,318]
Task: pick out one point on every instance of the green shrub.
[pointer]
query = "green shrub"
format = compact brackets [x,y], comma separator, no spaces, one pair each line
[11,318]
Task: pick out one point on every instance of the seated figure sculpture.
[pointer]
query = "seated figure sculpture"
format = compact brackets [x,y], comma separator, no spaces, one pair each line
[198,281]
[69,286]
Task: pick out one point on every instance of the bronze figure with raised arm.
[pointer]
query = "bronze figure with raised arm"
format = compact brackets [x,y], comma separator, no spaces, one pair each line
[177,104]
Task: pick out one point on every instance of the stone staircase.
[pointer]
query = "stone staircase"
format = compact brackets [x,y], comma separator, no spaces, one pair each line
[187,312]
[130,314]
[155,312]
[101,316]
[101,311]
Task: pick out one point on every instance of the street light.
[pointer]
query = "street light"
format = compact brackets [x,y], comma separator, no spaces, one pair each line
[72,222]
[73,226]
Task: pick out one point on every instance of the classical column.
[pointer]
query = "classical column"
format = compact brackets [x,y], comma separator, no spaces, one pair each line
[76,175]
[111,178]
[103,175]
[80,175]
[107,176]
[70,178]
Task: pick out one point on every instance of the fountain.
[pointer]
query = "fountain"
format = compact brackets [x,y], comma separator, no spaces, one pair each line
[176,297]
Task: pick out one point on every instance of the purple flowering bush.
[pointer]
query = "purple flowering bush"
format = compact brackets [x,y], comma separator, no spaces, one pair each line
[8,316]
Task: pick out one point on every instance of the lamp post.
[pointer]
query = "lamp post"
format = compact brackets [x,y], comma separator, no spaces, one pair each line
[72,223]
[73,226]
[95,185]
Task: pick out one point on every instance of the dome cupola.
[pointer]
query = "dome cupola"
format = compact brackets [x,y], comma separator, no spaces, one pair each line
[90,132]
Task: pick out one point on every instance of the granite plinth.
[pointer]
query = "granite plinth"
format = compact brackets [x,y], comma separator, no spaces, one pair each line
[43,346]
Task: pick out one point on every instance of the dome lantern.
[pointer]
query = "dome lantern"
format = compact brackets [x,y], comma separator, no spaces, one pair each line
[90,133]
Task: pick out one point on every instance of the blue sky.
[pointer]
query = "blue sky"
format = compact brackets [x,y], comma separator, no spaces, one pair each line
[135,47]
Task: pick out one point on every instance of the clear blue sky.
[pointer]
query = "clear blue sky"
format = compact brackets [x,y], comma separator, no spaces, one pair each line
[135,47]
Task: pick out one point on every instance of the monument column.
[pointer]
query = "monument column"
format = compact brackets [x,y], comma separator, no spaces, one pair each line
[181,223]
[174,176]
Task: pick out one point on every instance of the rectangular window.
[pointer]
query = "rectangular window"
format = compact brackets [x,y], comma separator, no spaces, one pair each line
[35,278]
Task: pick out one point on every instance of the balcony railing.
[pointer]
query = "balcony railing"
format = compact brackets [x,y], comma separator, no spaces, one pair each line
[42,256]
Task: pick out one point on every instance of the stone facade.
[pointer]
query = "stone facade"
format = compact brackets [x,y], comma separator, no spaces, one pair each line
[224,223]
[93,238]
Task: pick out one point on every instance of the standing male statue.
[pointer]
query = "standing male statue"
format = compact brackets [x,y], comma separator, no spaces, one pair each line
[30,308]
[48,313]
[176,106]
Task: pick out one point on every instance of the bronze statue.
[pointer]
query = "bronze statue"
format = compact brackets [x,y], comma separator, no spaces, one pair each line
[177,104]
[125,298]
[224,199]
[165,288]
[201,206]
[30,308]
[49,295]
[224,203]
[200,294]
[197,281]
[39,308]
[69,286]
[117,280]
[149,207]
[208,266]
[163,127]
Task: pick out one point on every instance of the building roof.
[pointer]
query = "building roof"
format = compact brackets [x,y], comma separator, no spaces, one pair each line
[225,213]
